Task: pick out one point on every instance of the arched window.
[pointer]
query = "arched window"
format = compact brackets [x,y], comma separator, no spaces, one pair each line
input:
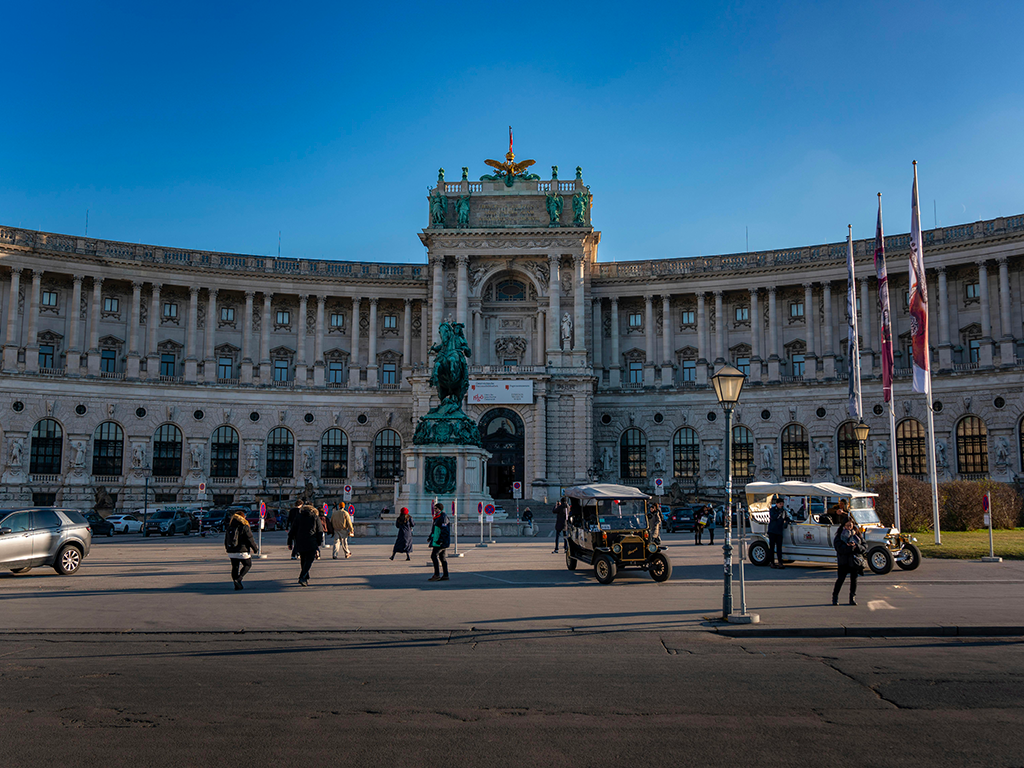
[796,453]
[280,453]
[224,452]
[972,447]
[742,452]
[911,450]
[848,451]
[107,449]
[45,450]
[510,290]
[333,454]
[387,455]
[167,451]
[686,453]
[633,455]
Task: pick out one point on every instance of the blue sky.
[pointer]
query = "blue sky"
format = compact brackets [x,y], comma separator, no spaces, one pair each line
[217,125]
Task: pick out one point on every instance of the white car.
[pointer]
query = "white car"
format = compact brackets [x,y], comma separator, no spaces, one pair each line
[125,523]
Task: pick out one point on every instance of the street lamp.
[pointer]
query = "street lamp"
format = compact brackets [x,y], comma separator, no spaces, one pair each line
[861,431]
[728,383]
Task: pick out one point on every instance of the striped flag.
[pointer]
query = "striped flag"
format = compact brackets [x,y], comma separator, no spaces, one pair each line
[918,295]
[885,322]
[853,340]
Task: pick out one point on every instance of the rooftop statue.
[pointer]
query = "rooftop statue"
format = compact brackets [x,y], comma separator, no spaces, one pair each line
[510,170]
[447,424]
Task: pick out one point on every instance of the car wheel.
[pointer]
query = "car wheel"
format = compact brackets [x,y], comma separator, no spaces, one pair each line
[69,558]
[125,531]
[187,531]
[660,568]
[26,569]
[880,561]
[570,561]
[909,557]
[110,532]
[758,553]
[145,534]
[170,531]
[604,569]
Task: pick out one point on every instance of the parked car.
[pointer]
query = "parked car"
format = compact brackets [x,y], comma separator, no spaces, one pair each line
[168,522]
[682,518]
[125,523]
[60,538]
[212,521]
[99,525]
[271,523]
[607,528]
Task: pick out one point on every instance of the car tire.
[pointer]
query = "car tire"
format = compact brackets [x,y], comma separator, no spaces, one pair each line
[145,534]
[879,560]
[758,553]
[26,569]
[660,568]
[125,531]
[69,560]
[186,532]
[570,561]
[909,557]
[605,570]
[110,532]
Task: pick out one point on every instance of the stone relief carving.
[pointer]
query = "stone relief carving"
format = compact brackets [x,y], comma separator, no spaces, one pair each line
[510,346]
[451,284]
[712,454]
[881,454]
[1002,453]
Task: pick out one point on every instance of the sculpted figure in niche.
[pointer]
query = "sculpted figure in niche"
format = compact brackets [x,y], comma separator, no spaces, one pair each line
[1002,453]
[438,209]
[138,456]
[822,451]
[307,460]
[16,453]
[196,456]
[462,211]
[767,457]
[580,202]
[554,205]
[940,455]
[659,459]
[78,460]
[712,454]
[881,454]
[254,458]
[566,333]
[606,459]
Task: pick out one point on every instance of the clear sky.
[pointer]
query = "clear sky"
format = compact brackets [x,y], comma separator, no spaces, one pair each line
[216,125]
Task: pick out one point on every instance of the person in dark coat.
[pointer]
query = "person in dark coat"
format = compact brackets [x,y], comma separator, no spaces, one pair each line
[439,537]
[305,537]
[847,543]
[709,524]
[403,542]
[240,546]
[561,510]
[292,514]
[776,525]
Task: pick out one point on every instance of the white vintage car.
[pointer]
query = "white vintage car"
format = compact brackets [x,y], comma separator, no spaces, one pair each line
[810,528]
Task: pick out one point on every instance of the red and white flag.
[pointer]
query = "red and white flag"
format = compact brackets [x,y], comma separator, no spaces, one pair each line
[918,295]
[885,322]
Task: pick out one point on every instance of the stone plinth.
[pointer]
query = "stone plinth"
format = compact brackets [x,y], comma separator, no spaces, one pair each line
[425,474]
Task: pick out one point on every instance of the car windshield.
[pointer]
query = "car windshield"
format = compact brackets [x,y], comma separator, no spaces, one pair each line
[162,515]
[863,510]
[616,515]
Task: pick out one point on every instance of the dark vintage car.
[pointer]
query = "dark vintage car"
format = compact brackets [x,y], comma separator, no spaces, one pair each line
[607,528]
[99,524]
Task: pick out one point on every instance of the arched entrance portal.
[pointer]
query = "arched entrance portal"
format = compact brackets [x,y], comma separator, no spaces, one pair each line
[504,436]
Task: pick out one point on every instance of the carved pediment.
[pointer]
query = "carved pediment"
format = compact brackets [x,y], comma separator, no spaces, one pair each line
[389,356]
[169,345]
[49,337]
[282,351]
[635,356]
[111,341]
[687,353]
[336,356]
[226,350]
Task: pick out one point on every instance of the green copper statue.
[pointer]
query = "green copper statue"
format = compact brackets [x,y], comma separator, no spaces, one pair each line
[462,211]
[554,204]
[438,209]
[447,424]
[580,203]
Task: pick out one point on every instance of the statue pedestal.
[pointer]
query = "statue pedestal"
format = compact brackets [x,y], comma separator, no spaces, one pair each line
[446,472]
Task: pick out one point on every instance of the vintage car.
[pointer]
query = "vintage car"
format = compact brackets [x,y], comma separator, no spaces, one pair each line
[607,528]
[811,527]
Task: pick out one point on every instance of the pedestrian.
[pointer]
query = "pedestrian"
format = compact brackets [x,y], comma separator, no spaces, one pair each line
[292,514]
[848,545]
[776,525]
[341,522]
[403,542]
[710,525]
[239,543]
[561,508]
[305,537]
[439,538]
[654,522]
[699,523]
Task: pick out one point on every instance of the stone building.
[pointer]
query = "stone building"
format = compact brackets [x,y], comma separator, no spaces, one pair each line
[132,369]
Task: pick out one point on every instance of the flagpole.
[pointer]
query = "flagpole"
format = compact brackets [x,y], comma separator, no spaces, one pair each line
[885,328]
[895,467]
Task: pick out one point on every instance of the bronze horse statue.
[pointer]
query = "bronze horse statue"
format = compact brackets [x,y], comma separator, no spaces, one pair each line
[451,374]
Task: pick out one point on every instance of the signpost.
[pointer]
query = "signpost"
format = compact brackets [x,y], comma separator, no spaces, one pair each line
[986,506]
[480,519]
[347,494]
[517,494]
[489,514]
[455,518]
[263,516]
[659,487]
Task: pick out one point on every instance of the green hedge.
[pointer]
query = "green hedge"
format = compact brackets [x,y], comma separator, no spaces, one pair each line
[959,504]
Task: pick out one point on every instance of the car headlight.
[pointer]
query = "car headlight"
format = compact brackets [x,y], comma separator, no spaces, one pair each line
[652,547]
[616,548]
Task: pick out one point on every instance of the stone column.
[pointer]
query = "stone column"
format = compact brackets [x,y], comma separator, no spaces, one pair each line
[1007,355]
[867,356]
[615,379]
[666,341]
[132,371]
[191,352]
[478,340]
[830,349]
[811,358]
[13,340]
[540,444]
[539,339]
[152,356]
[353,358]
[32,342]
[597,345]
[300,342]
[266,372]
[437,299]
[94,327]
[702,342]
[210,336]
[945,348]
[461,291]
[407,344]
[649,334]
[985,353]
[319,365]
[554,312]
[773,336]
[371,346]
[719,330]
[246,367]
[75,316]
[579,341]
[755,335]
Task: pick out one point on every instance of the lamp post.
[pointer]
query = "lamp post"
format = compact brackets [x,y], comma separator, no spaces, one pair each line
[861,431]
[728,383]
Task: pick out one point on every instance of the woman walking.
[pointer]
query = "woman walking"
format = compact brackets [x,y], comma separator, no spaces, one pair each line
[403,542]
[709,519]
[848,545]
[305,537]
[438,540]
[239,543]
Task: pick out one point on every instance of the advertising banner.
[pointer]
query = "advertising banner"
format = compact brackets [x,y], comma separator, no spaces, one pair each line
[500,392]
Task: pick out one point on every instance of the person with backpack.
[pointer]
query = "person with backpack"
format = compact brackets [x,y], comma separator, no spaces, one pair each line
[440,537]
[240,545]
[304,538]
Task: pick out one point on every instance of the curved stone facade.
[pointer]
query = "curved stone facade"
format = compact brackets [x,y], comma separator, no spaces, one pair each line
[141,346]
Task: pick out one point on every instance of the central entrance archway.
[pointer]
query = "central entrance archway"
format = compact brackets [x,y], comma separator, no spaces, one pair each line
[505,437]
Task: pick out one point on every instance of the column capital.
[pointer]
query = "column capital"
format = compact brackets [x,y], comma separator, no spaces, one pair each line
[595,300]
[461,259]
[666,297]
[193,291]
[37,274]
[941,269]
[250,295]
[864,281]
[576,259]
[826,285]
[267,296]
[76,279]
[615,301]
[648,298]
[408,303]
[16,270]
[356,301]
[321,300]
[554,258]
[373,301]
[773,289]
[808,286]
[754,292]
[97,282]
[718,294]
[304,297]
[156,288]
[435,260]
[1001,261]
[137,286]
[213,292]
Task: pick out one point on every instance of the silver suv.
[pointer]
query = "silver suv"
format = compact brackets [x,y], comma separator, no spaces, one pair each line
[56,537]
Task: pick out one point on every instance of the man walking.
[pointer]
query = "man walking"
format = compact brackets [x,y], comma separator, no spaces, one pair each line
[341,521]
[561,510]
[776,525]
[440,536]
[305,537]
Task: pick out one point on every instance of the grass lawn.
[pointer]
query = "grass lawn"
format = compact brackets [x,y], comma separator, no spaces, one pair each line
[972,545]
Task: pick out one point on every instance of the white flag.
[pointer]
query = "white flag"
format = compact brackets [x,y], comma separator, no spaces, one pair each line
[853,344]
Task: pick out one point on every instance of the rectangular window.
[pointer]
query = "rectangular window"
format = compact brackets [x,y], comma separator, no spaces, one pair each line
[334,373]
[337,320]
[510,361]
[636,320]
[689,370]
[46,356]
[227,314]
[225,366]
[49,298]
[743,314]
[796,309]
[390,322]
[111,304]
[389,373]
[973,290]
[108,361]
[170,310]
[743,363]
[280,370]
[798,365]
[858,303]
[975,347]
[284,317]
[689,317]
[636,373]
[167,364]
[906,299]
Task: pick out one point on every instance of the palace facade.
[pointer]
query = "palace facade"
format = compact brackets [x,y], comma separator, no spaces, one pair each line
[132,369]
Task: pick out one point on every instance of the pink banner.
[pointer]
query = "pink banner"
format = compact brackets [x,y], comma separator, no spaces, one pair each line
[918,295]
[885,322]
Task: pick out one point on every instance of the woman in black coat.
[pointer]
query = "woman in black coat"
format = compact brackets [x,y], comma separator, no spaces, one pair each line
[847,543]
[240,546]
[305,537]
[403,543]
